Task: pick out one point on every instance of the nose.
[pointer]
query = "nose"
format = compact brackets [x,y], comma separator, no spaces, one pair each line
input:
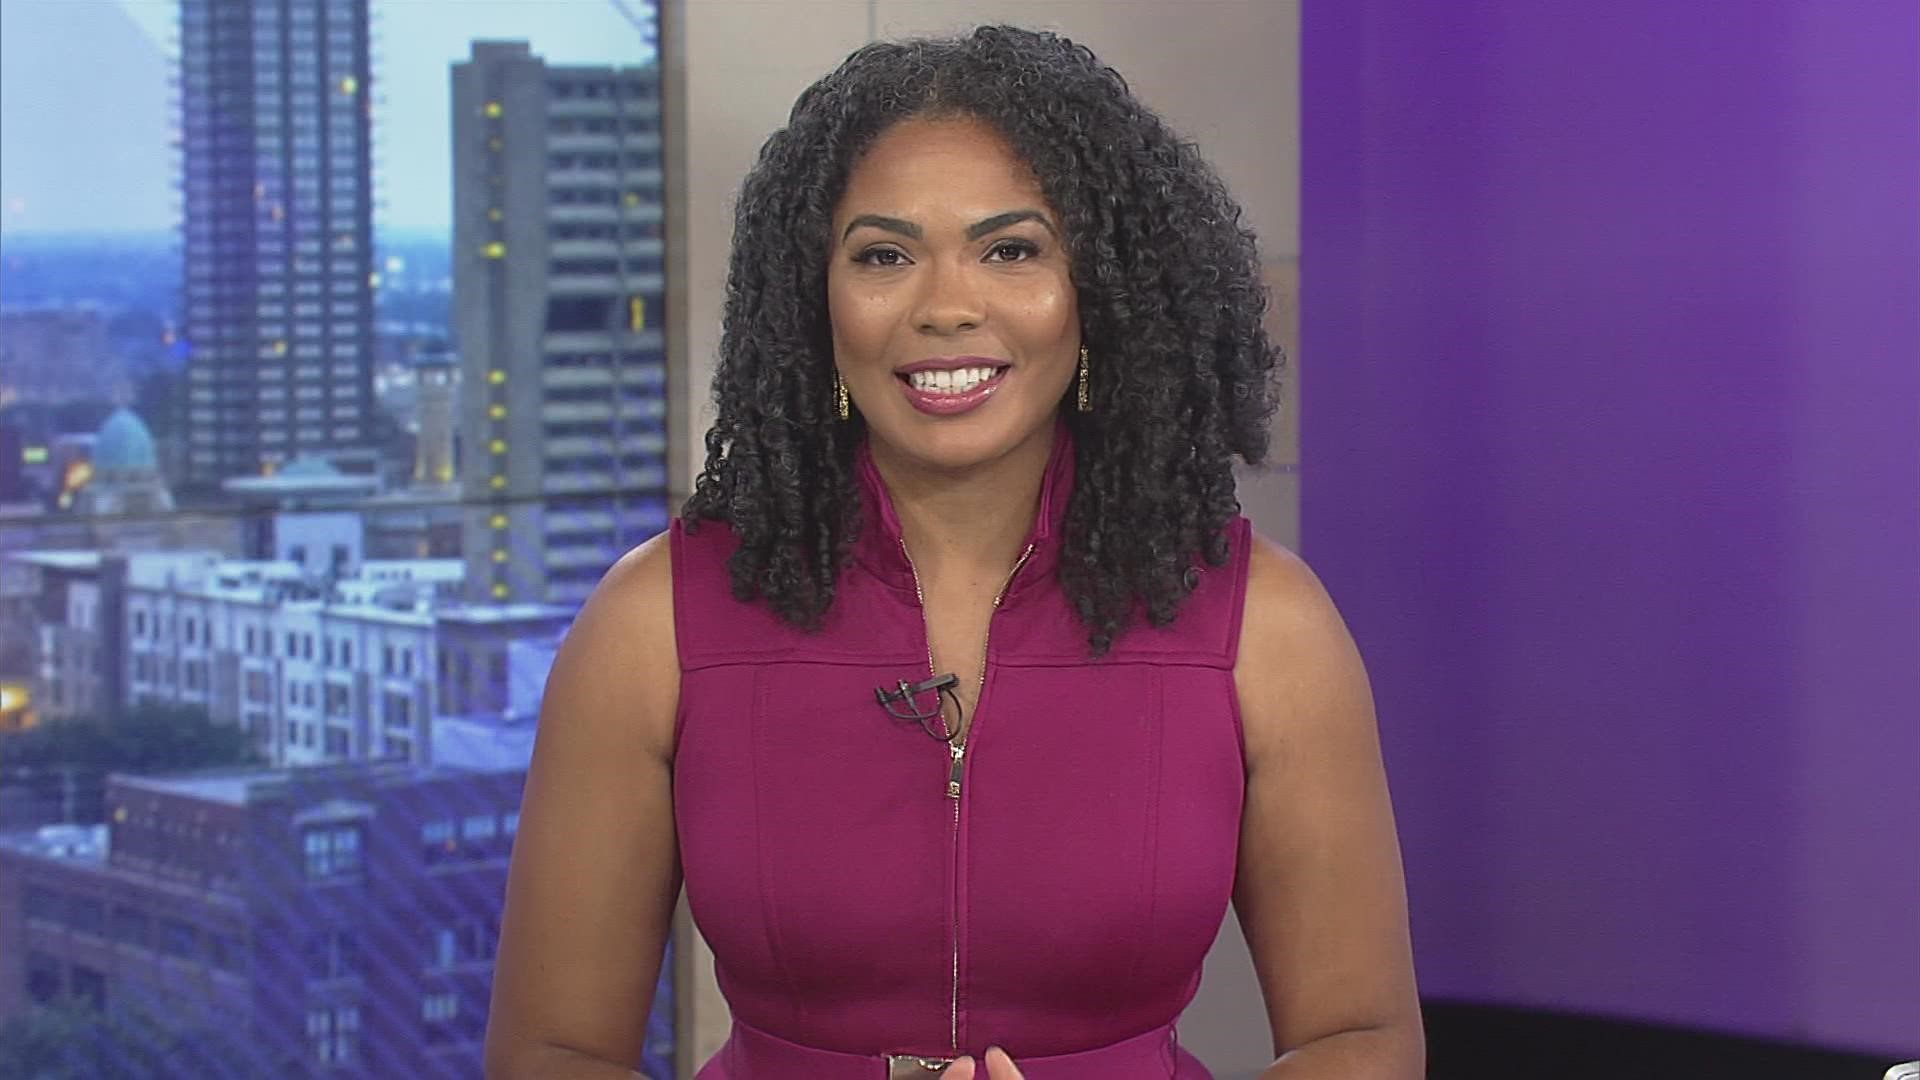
[950,301]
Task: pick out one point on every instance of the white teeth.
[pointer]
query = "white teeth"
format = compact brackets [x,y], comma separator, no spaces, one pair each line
[951,382]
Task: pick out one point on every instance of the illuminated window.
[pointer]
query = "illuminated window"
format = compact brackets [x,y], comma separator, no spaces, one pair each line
[498,446]
[493,110]
[349,84]
[497,412]
[498,521]
[499,592]
[497,483]
[499,555]
[496,376]
[495,250]
[636,313]
[493,214]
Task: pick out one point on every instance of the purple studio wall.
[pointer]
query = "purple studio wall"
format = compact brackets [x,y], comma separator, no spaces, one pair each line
[1611,456]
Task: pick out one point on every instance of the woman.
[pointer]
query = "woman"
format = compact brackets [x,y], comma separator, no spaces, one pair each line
[963,698]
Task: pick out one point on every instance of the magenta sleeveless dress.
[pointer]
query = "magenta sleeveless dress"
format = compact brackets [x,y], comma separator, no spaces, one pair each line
[863,919]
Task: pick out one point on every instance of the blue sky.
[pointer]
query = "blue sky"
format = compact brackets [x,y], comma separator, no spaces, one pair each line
[84,112]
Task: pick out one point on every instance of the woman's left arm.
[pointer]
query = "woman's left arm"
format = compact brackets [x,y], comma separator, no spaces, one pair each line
[1320,892]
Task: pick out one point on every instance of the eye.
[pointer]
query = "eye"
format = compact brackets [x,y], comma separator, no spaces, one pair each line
[881,256]
[1011,251]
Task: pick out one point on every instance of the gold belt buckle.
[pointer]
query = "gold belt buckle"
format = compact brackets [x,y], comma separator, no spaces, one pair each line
[914,1067]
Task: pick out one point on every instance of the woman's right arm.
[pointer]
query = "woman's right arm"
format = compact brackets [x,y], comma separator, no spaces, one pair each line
[595,869]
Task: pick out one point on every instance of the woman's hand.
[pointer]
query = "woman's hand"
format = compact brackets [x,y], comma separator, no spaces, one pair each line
[999,1067]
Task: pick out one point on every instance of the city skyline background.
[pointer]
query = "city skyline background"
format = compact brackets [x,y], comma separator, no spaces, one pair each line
[115,172]
[216,383]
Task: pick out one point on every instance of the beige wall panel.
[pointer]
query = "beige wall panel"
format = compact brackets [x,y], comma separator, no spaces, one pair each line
[1270,496]
[738,65]
[1224,73]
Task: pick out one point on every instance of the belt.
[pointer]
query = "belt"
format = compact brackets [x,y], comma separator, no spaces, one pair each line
[752,1054]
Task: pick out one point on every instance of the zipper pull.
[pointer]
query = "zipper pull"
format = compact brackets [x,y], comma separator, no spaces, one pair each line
[959,752]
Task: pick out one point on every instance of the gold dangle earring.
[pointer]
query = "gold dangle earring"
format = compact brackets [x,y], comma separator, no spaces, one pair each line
[842,405]
[1085,394]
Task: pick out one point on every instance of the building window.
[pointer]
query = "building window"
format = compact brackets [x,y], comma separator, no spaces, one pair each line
[224,952]
[334,1034]
[88,915]
[339,742]
[179,939]
[130,927]
[479,830]
[440,1015]
[332,954]
[332,852]
[43,903]
[399,710]
[88,985]
[436,841]
[43,978]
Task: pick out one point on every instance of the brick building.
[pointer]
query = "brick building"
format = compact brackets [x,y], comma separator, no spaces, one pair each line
[336,920]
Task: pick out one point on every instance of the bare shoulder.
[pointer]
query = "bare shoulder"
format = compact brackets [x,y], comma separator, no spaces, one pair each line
[1299,673]
[621,647]
[595,867]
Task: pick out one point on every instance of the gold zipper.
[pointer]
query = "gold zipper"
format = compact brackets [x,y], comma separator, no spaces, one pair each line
[957,747]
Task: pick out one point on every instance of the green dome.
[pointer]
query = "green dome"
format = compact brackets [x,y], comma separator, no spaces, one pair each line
[124,445]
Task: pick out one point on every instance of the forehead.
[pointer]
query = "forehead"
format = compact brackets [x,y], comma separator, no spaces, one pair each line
[926,169]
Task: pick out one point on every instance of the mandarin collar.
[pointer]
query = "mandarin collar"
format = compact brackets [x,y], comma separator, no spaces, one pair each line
[881,546]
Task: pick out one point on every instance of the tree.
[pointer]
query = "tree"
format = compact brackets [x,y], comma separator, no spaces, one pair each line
[146,738]
[71,1039]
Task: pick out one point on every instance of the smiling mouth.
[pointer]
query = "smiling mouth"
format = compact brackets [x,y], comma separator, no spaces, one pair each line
[953,381]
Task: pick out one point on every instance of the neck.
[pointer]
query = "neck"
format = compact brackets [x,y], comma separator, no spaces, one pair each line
[966,526]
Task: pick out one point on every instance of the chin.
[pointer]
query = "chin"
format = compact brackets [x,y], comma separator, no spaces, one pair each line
[958,444]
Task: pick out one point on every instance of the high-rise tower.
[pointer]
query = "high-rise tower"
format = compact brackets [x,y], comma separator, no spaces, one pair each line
[278,234]
[557,301]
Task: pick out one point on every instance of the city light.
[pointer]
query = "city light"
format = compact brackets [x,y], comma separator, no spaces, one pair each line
[16,707]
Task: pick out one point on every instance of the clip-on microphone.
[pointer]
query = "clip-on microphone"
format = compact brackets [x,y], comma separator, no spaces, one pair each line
[899,701]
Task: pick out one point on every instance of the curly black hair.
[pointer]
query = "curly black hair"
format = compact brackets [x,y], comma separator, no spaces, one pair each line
[1184,377]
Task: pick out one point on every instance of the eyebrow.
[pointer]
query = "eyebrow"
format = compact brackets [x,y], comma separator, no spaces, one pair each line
[974,232]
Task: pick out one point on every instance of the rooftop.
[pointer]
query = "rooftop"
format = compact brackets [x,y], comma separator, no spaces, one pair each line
[66,843]
[59,560]
[496,614]
[251,784]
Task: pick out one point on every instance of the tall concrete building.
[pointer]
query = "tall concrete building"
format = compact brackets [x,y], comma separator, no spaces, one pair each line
[278,234]
[558,294]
